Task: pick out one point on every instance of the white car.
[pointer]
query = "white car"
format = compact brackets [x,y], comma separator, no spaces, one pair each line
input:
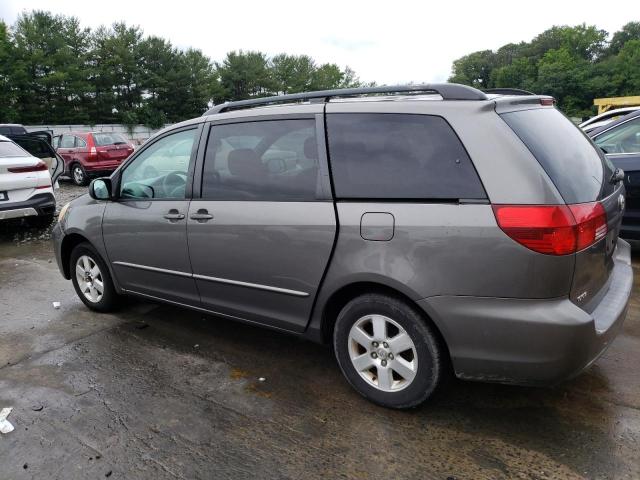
[606,117]
[26,183]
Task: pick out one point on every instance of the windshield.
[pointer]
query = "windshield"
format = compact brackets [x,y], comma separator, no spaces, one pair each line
[574,164]
[10,149]
[102,139]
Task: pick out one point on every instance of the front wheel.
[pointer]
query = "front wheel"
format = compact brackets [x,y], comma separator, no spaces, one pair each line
[91,279]
[387,351]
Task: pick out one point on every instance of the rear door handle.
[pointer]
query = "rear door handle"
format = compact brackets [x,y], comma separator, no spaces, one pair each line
[202,215]
[173,215]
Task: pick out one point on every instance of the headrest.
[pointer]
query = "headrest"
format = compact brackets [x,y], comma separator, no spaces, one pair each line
[311,148]
[244,162]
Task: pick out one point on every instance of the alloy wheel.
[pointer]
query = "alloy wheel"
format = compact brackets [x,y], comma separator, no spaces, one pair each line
[383,353]
[89,278]
[78,175]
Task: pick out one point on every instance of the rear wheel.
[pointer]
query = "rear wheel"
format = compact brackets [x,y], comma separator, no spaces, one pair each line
[91,279]
[387,351]
[78,175]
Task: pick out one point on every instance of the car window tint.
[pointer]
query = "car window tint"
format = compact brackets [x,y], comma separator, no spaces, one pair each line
[67,141]
[572,161]
[102,139]
[161,169]
[623,138]
[399,156]
[36,147]
[10,149]
[275,160]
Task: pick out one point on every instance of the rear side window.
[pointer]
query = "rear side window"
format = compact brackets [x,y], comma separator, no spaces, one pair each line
[573,163]
[399,156]
[67,141]
[101,139]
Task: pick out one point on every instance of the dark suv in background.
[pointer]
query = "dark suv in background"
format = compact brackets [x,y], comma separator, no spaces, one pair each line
[91,154]
[412,228]
[620,141]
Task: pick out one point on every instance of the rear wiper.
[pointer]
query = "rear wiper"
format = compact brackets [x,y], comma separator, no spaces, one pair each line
[119,143]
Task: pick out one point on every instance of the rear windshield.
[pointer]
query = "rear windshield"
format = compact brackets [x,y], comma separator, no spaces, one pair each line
[101,139]
[574,164]
[10,149]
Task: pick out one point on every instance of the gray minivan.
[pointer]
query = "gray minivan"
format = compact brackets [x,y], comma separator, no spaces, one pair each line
[415,229]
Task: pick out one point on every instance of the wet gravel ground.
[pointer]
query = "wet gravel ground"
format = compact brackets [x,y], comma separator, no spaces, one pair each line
[156,392]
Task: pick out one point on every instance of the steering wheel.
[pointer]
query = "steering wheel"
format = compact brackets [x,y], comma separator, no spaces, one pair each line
[172,182]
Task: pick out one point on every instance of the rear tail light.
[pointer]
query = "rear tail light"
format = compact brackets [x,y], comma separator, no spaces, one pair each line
[93,153]
[553,229]
[38,167]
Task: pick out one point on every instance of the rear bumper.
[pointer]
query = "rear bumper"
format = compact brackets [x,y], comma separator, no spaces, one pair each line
[531,342]
[40,204]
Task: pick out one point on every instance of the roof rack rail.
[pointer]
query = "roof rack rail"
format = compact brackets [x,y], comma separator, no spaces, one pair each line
[448,91]
[507,91]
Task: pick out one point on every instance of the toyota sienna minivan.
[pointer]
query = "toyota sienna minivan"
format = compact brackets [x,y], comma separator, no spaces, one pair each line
[415,229]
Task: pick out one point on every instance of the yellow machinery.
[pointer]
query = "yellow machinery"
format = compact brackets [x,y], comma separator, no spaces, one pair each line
[606,104]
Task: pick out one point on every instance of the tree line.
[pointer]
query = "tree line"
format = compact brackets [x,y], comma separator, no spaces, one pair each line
[574,64]
[52,70]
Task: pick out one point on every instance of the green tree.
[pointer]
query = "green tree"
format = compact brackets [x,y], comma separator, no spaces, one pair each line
[631,31]
[50,68]
[116,72]
[574,64]
[244,75]
[7,98]
[474,69]
[292,73]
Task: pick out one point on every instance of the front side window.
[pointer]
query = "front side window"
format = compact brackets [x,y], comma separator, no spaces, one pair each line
[161,170]
[275,160]
[625,138]
[399,156]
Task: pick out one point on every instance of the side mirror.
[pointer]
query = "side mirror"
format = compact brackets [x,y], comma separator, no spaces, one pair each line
[100,189]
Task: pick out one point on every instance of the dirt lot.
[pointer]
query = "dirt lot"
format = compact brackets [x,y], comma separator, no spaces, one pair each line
[156,392]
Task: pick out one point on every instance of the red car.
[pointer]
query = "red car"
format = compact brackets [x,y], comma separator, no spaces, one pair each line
[91,154]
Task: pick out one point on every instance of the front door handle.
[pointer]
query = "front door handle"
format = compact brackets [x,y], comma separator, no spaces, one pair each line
[174,215]
[202,215]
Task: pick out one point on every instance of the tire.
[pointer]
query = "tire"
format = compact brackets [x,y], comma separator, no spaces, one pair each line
[392,385]
[79,175]
[87,258]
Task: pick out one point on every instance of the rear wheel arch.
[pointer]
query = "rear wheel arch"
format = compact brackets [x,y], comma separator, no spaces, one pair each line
[345,294]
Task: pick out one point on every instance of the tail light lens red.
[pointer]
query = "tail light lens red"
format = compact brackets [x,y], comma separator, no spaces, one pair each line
[553,229]
[38,167]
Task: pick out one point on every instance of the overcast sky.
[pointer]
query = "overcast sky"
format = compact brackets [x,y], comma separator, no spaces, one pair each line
[387,42]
